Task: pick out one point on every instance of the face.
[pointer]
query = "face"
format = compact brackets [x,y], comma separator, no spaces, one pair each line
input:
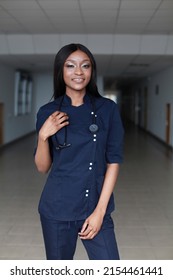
[77,72]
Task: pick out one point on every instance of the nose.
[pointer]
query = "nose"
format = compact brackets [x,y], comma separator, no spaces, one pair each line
[78,70]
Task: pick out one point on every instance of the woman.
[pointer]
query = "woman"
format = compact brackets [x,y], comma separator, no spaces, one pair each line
[80,137]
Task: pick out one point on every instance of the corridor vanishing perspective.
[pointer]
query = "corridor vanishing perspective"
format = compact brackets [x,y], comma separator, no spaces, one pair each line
[143,195]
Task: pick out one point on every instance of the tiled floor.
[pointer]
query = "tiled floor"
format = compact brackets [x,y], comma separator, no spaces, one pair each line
[144,201]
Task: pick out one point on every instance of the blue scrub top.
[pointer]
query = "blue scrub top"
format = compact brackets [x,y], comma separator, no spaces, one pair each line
[76,177]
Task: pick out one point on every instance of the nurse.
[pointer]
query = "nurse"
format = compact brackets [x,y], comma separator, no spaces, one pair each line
[80,145]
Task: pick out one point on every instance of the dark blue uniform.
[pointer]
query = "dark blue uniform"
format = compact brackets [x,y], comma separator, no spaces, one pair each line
[75,180]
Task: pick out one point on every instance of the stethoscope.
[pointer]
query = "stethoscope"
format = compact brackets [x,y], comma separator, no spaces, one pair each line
[93,128]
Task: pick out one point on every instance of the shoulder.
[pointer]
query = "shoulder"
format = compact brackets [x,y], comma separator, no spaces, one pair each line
[106,104]
[49,108]
[44,112]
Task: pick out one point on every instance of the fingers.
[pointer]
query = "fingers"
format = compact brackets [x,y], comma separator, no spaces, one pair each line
[84,227]
[53,124]
[53,115]
[59,118]
[87,232]
[57,115]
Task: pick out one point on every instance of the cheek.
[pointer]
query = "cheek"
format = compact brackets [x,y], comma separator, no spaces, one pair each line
[88,76]
[66,76]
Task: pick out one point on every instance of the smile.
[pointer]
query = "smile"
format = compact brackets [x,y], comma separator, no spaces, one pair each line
[78,80]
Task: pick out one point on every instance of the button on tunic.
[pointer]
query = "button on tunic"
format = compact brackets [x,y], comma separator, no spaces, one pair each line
[75,180]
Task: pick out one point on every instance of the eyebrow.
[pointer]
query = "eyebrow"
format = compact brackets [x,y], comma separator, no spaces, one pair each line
[72,60]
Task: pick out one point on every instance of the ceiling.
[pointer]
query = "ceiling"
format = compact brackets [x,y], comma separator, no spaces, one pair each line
[90,17]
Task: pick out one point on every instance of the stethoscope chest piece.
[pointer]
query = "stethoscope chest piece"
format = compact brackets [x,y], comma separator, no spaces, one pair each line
[93,128]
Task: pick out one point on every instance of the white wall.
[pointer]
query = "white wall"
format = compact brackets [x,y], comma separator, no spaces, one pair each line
[156,120]
[43,88]
[157,102]
[14,127]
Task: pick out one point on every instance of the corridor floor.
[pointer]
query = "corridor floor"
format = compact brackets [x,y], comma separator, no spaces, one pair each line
[144,201]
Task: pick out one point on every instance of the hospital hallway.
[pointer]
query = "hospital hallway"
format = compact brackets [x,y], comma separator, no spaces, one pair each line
[143,195]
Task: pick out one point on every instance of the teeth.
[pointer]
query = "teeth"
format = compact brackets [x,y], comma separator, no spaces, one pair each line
[78,80]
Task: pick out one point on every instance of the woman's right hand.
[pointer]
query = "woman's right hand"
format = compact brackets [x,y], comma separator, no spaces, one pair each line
[54,123]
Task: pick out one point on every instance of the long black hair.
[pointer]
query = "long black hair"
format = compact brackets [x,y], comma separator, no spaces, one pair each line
[60,58]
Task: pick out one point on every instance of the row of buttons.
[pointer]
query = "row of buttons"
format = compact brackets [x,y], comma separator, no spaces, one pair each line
[87,193]
[90,167]
[94,135]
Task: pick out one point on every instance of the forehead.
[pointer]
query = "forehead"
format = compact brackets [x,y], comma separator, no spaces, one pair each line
[78,56]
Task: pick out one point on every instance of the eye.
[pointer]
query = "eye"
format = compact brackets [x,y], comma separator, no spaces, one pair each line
[69,65]
[86,66]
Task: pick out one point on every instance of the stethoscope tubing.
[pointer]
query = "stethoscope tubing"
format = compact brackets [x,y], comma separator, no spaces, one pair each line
[93,128]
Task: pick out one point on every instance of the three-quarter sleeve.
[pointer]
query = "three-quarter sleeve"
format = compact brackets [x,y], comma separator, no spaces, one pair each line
[114,147]
[41,118]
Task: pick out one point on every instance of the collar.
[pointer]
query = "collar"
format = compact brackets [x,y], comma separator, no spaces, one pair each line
[66,100]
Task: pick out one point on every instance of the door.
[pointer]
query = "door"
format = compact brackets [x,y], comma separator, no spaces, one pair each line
[168,123]
[1,123]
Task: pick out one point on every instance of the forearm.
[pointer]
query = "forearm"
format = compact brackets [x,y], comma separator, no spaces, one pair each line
[43,159]
[108,187]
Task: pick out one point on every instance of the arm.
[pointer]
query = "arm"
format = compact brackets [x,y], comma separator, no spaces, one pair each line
[108,186]
[94,221]
[43,159]
[53,124]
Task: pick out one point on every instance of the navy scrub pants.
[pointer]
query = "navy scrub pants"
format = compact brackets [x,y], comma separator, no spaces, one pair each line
[60,240]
